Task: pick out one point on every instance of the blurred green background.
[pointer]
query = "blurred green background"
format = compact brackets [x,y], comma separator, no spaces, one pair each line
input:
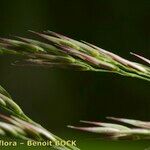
[56,98]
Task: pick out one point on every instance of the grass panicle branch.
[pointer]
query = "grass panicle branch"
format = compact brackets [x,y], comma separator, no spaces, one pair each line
[18,125]
[58,51]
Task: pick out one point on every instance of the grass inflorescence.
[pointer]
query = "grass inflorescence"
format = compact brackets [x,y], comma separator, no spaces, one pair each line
[58,51]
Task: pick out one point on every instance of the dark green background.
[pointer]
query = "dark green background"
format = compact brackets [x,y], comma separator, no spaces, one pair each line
[56,98]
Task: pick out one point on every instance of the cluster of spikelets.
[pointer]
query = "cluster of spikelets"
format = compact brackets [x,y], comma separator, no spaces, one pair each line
[139,129]
[18,125]
[58,51]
